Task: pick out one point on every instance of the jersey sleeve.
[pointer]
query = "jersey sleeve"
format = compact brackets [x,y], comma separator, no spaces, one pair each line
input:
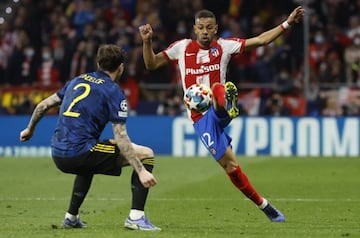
[117,106]
[176,49]
[233,45]
[61,92]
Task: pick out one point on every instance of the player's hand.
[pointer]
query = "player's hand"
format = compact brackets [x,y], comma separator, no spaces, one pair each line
[146,32]
[26,134]
[296,15]
[147,179]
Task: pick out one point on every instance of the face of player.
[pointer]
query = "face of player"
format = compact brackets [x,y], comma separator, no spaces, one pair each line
[205,30]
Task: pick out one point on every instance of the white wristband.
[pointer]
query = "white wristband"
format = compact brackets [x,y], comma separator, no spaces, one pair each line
[285,25]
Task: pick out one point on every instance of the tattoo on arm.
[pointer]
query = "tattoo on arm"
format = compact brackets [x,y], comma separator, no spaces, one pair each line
[125,146]
[42,108]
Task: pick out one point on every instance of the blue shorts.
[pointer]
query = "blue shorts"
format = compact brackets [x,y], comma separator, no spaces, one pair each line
[210,129]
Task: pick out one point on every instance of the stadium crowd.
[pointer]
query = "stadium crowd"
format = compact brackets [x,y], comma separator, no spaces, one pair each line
[43,44]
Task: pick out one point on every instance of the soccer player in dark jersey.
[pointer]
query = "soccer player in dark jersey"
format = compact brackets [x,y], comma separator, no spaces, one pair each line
[87,103]
[205,60]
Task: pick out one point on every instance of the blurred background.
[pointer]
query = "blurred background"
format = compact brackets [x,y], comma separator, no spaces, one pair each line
[311,70]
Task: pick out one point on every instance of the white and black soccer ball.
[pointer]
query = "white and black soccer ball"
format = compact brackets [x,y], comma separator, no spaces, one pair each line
[198,98]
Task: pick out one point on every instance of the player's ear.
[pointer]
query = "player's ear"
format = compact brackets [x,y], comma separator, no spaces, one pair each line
[121,68]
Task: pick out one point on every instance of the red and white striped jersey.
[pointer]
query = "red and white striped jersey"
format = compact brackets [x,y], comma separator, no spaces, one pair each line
[203,65]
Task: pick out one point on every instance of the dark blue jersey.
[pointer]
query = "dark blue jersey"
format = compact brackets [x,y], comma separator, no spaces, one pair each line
[89,102]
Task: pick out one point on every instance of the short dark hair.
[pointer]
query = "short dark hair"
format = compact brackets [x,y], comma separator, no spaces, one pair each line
[109,57]
[204,14]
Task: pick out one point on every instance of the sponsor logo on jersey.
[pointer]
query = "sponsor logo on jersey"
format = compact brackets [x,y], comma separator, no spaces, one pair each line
[202,69]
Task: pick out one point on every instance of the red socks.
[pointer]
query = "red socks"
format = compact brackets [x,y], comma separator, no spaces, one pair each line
[237,177]
[218,91]
[240,180]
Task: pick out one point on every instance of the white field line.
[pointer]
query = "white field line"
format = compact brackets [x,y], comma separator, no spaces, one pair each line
[182,199]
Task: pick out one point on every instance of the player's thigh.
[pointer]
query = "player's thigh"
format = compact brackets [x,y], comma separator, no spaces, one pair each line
[212,135]
[102,161]
[105,158]
[105,163]
[228,160]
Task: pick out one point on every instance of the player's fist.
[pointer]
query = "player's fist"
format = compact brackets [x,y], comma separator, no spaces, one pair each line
[146,32]
[25,134]
[147,179]
[296,15]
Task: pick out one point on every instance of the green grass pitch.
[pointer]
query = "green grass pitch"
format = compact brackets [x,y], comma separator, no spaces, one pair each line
[320,197]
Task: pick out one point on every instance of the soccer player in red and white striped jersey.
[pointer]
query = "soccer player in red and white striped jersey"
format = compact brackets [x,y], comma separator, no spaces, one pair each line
[205,60]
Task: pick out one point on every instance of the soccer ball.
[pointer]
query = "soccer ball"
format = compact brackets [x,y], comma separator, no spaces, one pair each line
[198,97]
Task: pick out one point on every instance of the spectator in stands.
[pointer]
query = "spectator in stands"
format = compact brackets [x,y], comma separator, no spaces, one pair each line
[23,105]
[62,58]
[155,85]
[332,108]
[317,50]
[115,10]
[3,58]
[63,25]
[275,107]
[352,61]
[22,66]
[147,12]
[354,26]
[284,83]
[121,32]
[131,91]
[47,73]
[83,58]
[331,68]
[172,106]
[83,15]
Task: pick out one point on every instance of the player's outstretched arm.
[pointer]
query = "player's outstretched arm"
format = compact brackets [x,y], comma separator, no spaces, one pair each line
[152,61]
[127,150]
[268,36]
[38,113]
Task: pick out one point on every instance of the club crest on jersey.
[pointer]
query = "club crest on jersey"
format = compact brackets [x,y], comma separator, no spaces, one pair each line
[213,150]
[214,52]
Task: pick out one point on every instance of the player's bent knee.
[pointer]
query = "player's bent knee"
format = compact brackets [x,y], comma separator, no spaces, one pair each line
[144,152]
[147,153]
[147,156]
[228,163]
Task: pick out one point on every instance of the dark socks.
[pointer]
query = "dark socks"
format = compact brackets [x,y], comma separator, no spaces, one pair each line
[80,189]
[139,192]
